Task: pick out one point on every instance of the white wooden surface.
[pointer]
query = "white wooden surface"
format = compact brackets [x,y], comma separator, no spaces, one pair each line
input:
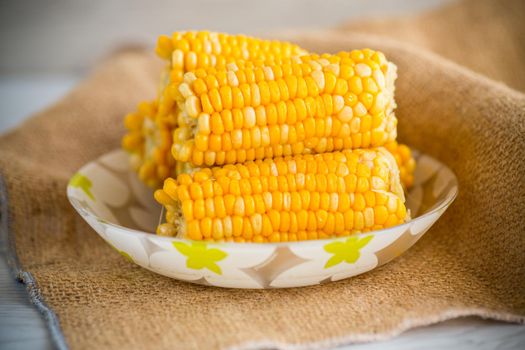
[44,45]
[21,326]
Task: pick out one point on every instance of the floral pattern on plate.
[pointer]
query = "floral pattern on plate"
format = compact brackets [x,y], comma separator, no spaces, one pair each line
[337,259]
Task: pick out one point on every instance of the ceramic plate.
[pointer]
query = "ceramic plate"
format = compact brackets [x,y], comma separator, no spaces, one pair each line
[109,196]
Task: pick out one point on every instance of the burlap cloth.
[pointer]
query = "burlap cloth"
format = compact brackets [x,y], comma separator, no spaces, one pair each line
[472,262]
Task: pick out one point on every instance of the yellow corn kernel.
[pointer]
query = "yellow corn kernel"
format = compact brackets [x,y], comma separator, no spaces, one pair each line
[405,162]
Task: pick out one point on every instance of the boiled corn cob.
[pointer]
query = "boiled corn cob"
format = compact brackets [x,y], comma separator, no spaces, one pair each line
[405,162]
[286,199]
[186,52]
[140,126]
[298,105]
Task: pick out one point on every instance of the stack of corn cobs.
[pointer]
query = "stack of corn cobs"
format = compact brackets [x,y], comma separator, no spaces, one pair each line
[252,140]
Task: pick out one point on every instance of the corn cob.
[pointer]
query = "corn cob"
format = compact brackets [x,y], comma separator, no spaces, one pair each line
[186,52]
[139,125]
[298,105]
[405,162]
[286,199]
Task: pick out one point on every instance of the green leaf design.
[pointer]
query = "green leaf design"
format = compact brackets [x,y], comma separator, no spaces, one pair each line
[123,253]
[83,183]
[199,256]
[334,260]
[334,247]
[347,251]
[126,255]
[184,249]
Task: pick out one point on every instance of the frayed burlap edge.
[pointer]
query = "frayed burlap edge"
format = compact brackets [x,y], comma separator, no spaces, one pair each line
[21,276]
